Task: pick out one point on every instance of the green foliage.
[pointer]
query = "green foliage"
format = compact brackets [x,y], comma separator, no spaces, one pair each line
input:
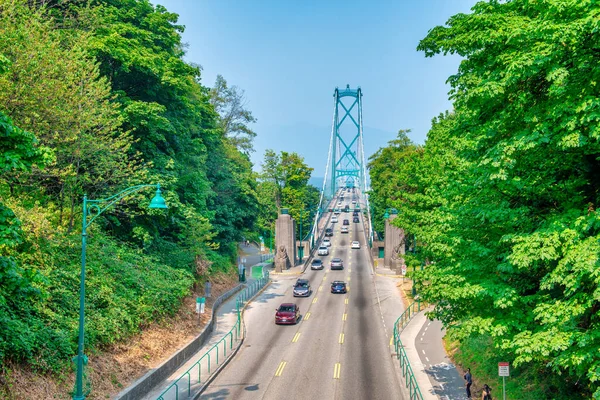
[230,103]
[105,90]
[284,184]
[526,382]
[503,197]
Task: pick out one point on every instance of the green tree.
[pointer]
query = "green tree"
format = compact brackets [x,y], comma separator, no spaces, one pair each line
[516,231]
[230,103]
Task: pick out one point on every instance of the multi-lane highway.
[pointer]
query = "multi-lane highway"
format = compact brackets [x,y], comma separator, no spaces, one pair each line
[338,349]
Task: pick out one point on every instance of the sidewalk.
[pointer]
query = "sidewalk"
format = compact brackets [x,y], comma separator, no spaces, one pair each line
[408,337]
[225,319]
[439,368]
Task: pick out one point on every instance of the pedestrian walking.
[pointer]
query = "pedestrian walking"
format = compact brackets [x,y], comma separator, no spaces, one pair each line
[468,382]
[487,393]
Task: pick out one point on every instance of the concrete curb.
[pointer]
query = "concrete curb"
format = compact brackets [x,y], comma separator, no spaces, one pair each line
[142,386]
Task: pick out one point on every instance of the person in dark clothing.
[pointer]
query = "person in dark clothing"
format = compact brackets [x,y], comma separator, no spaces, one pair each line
[468,382]
[487,393]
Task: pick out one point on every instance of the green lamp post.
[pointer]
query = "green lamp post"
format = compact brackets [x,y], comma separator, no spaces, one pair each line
[92,209]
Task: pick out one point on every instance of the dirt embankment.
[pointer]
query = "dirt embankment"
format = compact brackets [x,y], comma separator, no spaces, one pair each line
[116,367]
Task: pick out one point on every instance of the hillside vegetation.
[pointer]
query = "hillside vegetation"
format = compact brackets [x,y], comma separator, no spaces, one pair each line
[503,196]
[95,97]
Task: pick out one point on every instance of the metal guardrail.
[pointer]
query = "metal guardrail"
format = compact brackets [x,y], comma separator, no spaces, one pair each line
[407,372]
[265,257]
[199,373]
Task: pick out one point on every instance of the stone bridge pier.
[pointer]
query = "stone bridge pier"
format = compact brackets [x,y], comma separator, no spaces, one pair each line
[393,257]
[285,241]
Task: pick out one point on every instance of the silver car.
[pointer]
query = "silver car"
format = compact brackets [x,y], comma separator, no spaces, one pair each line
[323,251]
[337,263]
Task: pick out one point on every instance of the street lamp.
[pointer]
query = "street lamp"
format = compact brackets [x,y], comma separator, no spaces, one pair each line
[93,208]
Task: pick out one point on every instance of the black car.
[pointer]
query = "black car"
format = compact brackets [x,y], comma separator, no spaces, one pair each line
[317,263]
[355,220]
[346,222]
[355,214]
[302,288]
[338,287]
[329,232]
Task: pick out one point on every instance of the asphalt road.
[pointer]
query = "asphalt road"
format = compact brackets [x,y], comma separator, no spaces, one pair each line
[445,379]
[338,350]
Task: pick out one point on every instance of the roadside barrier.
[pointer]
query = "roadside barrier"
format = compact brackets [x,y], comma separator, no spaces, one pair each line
[407,372]
[198,374]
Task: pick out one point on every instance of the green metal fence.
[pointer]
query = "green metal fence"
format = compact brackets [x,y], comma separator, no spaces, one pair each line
[407,372]
[199,373]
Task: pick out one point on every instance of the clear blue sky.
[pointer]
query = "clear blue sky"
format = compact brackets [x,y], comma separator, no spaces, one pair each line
[289,57]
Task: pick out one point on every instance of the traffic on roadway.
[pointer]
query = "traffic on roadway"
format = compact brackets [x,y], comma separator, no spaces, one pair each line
[318,335]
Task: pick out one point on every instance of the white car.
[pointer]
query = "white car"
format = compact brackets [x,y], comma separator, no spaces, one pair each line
[353,201]
[355,245]
[344,229]
[323,251]
[334,219]
[327,242]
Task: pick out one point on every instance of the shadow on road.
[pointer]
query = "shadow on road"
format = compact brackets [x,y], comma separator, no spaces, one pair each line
[447,387]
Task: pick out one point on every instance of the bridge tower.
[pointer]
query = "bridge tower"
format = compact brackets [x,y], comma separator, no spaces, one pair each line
[346,161]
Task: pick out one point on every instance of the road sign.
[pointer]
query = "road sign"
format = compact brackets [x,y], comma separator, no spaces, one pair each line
[403,270]
[503,369]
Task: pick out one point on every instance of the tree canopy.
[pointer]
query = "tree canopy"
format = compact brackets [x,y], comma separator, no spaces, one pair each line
[503,197]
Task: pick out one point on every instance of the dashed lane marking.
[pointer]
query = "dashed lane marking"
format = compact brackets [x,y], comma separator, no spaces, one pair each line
[346,300]
[306,316]
[344,317]
[296,337]
[341,338]
[280,368]
[337,370]
[315,300]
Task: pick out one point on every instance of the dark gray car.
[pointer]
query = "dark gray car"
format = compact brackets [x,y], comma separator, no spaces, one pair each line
[317,263]
[302,288]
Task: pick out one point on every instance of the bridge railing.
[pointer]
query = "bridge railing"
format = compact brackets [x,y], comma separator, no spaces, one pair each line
[407,372]
[191,381]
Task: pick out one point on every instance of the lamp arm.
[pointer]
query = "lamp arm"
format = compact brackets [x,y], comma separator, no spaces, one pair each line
[97,207]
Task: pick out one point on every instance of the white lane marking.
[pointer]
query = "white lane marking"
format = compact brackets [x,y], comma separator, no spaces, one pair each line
[427,327]
[423,351]
[427,358]
[428,324]
[421,338]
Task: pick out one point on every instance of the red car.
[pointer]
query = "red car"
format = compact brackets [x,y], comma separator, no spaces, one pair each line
[287,313]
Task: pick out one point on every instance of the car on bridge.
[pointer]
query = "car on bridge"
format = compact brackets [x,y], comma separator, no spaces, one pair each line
[287,314]
[355,245]
[355,214]
[327,242]
[346,222]
[323,251]
[302,288]
[316,264]
[336,263]
[329,232]
[355,220]
[344,229]
[338,287]
[334,219]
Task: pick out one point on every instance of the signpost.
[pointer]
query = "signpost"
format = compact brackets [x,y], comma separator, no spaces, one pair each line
[503,371]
